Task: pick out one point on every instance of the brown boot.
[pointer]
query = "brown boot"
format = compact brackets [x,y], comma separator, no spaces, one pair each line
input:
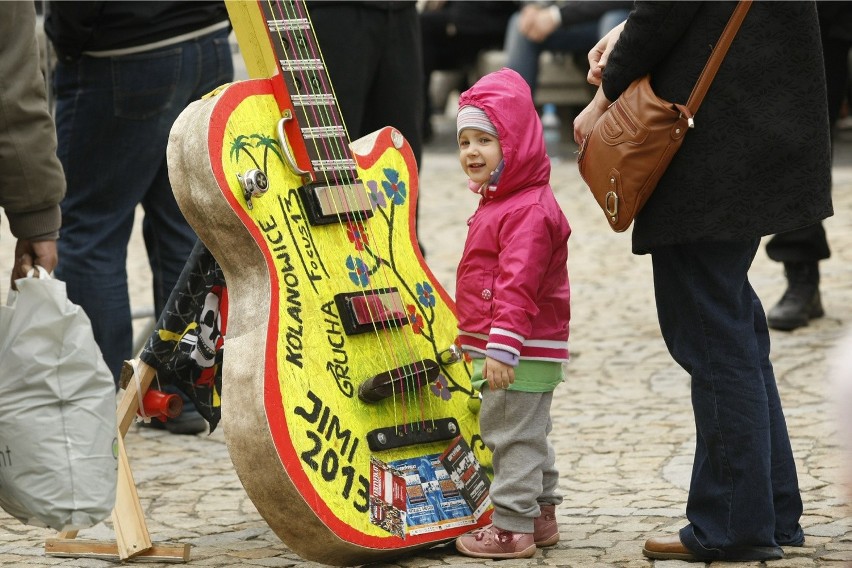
[546,531]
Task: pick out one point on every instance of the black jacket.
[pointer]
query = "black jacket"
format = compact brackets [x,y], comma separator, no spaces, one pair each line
[758,160]
[75,27]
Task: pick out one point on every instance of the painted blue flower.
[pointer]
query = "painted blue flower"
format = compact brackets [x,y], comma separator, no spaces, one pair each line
[376,196]
[359,274]
[394,187]
[441,388]
[425,294]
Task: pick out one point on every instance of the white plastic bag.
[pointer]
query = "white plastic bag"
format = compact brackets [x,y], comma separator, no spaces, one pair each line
[58,436]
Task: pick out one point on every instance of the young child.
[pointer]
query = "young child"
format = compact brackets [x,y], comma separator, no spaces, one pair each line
[513,298]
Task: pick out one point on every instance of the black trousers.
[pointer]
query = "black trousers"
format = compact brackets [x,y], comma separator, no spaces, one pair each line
[372,54]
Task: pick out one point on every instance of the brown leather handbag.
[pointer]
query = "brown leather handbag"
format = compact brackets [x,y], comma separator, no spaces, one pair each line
[633,142]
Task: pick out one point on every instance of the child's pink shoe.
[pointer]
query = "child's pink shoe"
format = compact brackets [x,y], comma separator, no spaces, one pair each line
[546,528]
[492,542]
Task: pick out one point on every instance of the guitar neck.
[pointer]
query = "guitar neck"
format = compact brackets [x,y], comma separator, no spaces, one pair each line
[277,39]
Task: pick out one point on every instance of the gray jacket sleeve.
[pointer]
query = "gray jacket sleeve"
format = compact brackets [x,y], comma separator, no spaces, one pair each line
[32,182]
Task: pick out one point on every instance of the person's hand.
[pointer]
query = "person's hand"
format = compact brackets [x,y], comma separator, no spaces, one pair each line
[29,254]
[536,23]
[499,375]
[587,118]
[599,54]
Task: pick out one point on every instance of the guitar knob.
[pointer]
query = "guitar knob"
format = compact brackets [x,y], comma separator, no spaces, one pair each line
[254,183]
[474,403]
[450,355]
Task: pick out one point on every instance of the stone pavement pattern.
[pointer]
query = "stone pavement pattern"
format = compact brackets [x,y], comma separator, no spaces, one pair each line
[623,427]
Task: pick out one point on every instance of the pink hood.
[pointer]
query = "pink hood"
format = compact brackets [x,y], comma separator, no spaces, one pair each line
[505,98]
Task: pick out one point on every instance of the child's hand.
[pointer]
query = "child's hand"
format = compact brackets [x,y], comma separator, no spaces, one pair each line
[499,375]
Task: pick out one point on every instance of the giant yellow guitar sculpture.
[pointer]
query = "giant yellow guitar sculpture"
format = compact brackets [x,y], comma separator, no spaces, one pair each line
[346,412]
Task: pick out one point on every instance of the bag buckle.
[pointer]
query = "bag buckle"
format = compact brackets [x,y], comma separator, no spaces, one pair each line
[611,205]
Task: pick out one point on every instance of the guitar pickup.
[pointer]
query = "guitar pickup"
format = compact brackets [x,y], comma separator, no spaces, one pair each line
[387,384]
[345,202]
[412,434]
[369,311]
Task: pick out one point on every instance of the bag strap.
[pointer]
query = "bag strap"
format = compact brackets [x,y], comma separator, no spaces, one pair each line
[709,72]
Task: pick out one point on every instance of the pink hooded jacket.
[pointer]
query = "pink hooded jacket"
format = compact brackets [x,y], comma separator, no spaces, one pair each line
[512,289]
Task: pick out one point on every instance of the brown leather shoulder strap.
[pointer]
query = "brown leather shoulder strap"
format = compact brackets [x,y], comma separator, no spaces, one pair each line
[719,52]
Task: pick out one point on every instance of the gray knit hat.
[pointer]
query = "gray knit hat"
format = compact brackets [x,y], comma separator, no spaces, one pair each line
[473,117]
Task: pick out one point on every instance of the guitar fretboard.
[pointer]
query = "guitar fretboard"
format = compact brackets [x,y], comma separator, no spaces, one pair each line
[305,76]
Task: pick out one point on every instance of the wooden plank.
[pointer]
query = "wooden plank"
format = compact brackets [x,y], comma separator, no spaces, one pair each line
[108,550]
[131,532]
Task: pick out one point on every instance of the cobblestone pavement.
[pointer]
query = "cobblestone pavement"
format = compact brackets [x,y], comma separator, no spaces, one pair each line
[623,427]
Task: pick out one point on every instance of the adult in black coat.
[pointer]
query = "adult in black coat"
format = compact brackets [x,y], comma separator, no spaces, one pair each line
[756,163]
[801,249]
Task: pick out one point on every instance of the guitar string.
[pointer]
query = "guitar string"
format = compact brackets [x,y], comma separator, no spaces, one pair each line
[321,117]
[415,384]
[341,186]
[293,42]
[408,369]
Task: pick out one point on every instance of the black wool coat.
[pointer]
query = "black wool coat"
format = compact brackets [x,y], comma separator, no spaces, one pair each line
[758,161]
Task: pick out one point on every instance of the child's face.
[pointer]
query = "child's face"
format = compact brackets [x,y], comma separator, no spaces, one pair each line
[479,154]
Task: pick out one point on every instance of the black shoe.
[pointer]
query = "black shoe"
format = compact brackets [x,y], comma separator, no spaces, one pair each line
[187,422]
[801,301]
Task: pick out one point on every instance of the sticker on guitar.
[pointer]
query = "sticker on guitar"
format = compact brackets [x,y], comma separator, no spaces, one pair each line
[340,349]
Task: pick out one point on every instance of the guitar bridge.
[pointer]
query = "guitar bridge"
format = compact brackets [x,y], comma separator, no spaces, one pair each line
[371,310]
[387,384]
[412,434]
[343,203]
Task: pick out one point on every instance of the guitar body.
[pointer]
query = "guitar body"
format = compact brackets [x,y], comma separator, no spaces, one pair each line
[317,460]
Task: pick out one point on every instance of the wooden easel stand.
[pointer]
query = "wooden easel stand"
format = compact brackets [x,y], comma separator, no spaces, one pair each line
[132,540]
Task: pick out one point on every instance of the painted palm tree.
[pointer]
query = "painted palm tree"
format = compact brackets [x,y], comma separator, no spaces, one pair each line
[242,144]
[269,145]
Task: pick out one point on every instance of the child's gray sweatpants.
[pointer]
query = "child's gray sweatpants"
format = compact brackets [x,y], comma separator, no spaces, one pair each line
[514,426]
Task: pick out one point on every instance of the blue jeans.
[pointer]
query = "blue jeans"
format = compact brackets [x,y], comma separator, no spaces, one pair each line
[744,488]
[523,54]
[113,117]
